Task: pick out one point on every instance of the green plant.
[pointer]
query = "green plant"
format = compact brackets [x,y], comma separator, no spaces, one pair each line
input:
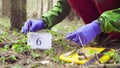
[5,49]
[55,59]
[20,48]
[66,47]
[2,59]
[12,58]
[72,29]
[50,52]
[17,66]
[15,32]
[7,46]
[63,44]
[35,55]
[62,62]
[4,36]
[117,57]
[53,32]
[5,23]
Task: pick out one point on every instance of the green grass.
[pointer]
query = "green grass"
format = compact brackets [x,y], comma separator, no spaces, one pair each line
[5,23]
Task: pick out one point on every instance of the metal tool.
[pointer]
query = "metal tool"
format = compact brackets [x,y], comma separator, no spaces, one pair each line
[73,52]
[80,40]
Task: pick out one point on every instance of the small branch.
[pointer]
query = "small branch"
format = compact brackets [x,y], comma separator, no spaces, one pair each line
[105,66]
[80,53]
[97,58]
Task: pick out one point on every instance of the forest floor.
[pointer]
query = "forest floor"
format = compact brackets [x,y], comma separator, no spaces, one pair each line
[14,53]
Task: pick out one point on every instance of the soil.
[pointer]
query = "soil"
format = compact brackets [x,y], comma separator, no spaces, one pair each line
[25,59]
[47,58]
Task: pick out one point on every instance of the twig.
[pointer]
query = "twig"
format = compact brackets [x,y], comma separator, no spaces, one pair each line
[105,66]
[97,58]
[80,53]
[72,52]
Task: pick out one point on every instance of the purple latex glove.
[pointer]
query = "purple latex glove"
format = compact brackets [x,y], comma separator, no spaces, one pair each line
[32,25]
[86,33]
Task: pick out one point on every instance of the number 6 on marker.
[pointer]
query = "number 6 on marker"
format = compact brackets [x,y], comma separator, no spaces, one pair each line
[38,41]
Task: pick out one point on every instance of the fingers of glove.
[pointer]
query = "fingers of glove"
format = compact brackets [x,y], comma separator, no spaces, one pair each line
[75,39]
[28,24]
[37,25]
[26,27]
[24,31]
[71,36]
[32,28]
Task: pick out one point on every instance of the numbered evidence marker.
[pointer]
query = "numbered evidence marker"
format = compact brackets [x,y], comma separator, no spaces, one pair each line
[39,40]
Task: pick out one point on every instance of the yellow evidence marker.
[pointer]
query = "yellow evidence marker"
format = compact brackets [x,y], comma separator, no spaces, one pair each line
[103,55]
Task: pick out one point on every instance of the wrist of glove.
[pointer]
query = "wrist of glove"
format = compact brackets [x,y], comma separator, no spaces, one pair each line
[32,25]
[86,33]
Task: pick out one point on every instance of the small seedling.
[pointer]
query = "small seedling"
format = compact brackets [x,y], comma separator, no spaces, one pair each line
[6,47]
[2,59]
[117,57]
[17,66]
[35,55]
[62,62]
[55,59]
[15,32]
[20,48]
[53,32]
[63,44]
[50,52]
[13,58]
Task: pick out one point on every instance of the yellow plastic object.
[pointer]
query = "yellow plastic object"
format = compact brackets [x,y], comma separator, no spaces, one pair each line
[90,53]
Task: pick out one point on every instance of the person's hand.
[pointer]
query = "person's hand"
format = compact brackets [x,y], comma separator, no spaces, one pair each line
[86,33]
[32,25]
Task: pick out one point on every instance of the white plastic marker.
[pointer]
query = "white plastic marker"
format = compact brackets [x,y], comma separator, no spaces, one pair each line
[39,40]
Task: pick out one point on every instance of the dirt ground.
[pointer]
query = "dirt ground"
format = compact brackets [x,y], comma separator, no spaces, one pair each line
[10,57]
[14,52]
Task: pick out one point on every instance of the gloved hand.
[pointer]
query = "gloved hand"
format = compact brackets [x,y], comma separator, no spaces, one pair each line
[32,25]
[86,33]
